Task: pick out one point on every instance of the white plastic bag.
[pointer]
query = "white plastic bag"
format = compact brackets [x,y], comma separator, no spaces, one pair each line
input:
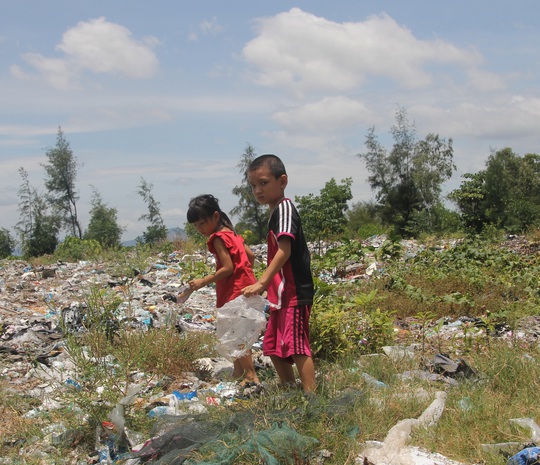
[239,325]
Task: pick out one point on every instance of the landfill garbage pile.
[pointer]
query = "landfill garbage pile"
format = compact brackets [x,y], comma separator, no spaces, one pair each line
[38,304]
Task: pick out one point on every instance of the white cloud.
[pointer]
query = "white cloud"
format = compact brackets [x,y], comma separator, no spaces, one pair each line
[211,27]
[486,82]
[97,46]
[57,72]
[206,28]
[302,52]
[328,114]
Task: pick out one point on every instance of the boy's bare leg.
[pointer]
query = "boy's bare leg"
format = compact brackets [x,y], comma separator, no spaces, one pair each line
[248,369]
[306,370]
[284,370]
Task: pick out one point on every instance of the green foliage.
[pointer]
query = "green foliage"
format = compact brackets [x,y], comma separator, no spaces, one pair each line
[377,330]
[364,220]
[471,278]
[407,179]
[156,232]
[27,195]
[103,226]
[37,228]
[252,216]
[61,173]
[74,249]
[505,195]
[341,326]
[195,236]
[338,257]
[391,248]
[323,216]
[43,237]
[108,351]
[193,269]
[437,220]
[7,243]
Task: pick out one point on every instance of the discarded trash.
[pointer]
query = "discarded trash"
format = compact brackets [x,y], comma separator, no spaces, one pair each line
[185,395]
[528,456]
[183,294]
[465,404]
[531,424]
[394,450]
[447,367]
[239,325]
[373,381]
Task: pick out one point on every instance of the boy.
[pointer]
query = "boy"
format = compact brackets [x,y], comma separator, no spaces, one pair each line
[287,278]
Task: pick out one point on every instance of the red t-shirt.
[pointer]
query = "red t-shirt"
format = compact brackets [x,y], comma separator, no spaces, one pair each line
[231,287]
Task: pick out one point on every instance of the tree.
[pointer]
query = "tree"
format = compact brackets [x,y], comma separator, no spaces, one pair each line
[323,216]
[407,179]
[506,194]
[252,215]
[43,237]
[27,196]
[7,243]
[156,232]
[38,227]
[364,219]
[103,226]
[61,173]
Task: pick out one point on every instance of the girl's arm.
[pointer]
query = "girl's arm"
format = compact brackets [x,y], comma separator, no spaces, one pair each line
[250,255]
[225,271]
[281,257]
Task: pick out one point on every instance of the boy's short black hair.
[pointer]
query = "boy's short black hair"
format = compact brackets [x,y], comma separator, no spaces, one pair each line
[270,161]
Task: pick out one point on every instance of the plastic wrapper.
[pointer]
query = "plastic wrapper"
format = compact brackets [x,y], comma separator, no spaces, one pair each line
[239,325]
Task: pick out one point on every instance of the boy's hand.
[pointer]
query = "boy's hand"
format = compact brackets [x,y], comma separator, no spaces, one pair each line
[254,289]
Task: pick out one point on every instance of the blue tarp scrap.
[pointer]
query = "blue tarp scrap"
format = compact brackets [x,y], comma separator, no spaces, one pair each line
[528,456]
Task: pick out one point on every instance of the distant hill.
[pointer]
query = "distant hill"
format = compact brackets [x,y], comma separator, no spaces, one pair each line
[172,234]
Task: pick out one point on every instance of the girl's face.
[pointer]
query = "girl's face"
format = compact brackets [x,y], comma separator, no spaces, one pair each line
[208,226]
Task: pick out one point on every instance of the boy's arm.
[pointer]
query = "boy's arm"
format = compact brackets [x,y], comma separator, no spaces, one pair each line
[281,257]
[226,269]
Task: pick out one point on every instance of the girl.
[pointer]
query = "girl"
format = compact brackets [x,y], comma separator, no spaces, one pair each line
[234,264]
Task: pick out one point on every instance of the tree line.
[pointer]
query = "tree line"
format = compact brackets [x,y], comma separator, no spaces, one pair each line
[406,180]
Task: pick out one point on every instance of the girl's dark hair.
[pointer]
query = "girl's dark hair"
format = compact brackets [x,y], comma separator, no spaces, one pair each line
[270,161]
[204,206]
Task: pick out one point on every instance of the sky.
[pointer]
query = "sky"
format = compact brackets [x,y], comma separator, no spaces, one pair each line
[172,91]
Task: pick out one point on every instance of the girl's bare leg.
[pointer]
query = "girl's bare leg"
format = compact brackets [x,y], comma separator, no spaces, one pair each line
[238,370]
[246,364]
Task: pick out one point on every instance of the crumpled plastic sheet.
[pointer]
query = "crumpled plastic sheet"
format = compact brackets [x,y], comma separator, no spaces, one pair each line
[239,325]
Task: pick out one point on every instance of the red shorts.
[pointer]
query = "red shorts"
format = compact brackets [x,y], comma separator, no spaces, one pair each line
[287,333]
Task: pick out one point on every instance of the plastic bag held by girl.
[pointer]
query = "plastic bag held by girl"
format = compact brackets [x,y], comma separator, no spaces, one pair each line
[239,325]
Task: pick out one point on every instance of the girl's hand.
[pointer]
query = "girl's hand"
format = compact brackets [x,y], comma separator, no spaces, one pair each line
[253,289]
[196,284]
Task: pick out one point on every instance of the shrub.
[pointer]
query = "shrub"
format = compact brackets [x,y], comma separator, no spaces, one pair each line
[74,249]
[340,326]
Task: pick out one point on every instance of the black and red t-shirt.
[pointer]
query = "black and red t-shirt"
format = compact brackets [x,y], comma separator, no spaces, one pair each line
[293,284]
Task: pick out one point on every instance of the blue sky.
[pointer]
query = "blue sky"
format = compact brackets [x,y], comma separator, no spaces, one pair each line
[173,91]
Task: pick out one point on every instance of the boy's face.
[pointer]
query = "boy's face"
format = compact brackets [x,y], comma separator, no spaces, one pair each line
[265,187]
